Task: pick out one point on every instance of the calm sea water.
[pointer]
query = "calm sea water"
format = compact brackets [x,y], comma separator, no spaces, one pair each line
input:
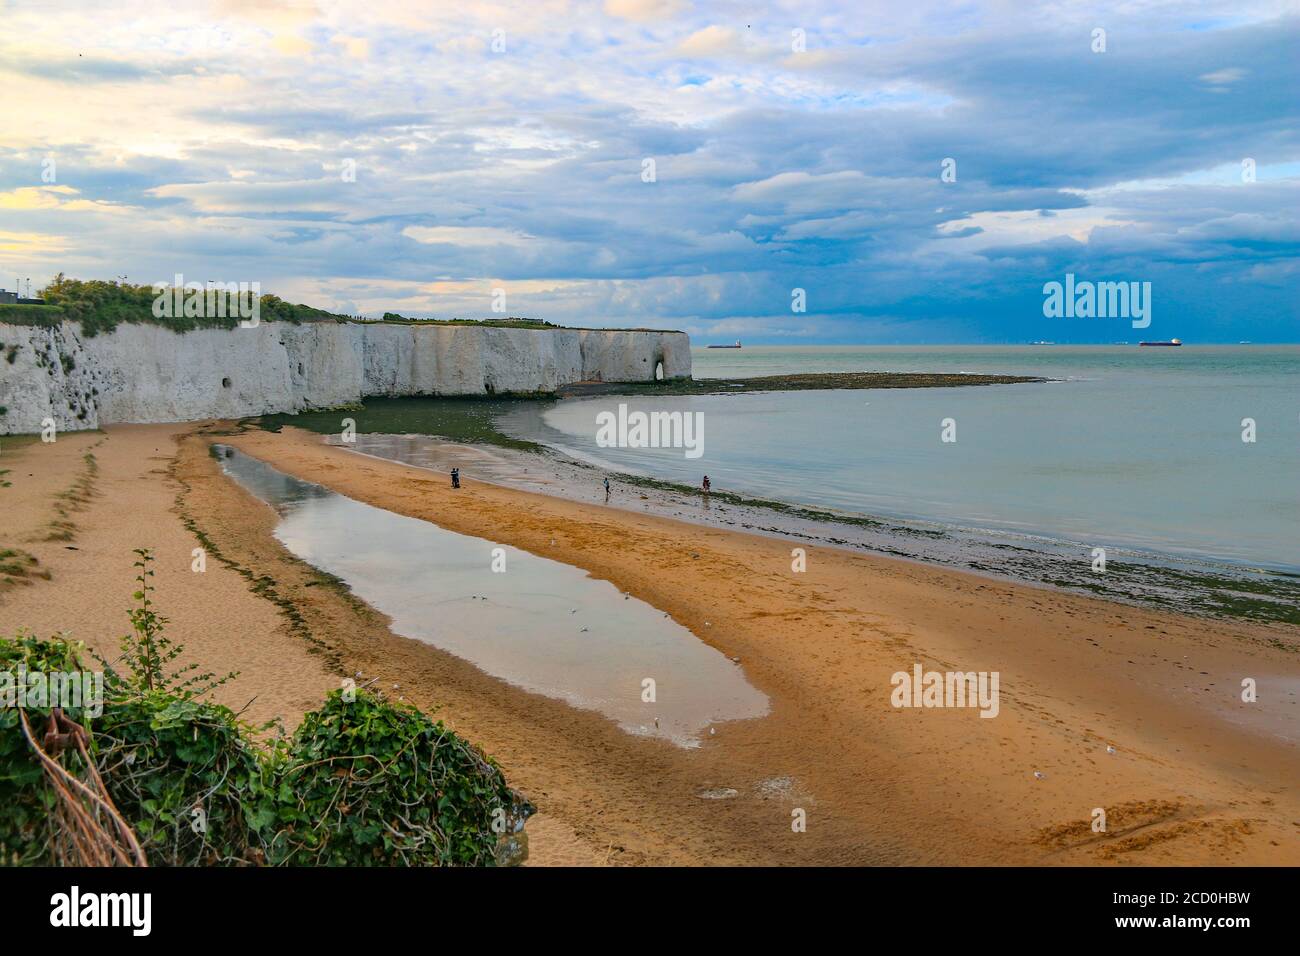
[1131,447]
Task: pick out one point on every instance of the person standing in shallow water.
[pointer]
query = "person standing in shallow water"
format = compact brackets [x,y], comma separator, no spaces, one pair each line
[706,485]
[455,477]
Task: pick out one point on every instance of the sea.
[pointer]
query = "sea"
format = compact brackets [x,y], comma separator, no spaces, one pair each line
[1190,451]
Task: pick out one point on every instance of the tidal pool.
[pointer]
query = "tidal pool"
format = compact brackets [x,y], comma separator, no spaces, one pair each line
[538,624]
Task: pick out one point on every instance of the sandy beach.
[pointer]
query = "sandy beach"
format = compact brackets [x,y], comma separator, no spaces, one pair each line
[1196,776]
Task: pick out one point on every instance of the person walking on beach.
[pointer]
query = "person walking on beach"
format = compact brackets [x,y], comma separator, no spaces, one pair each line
[455,477]
[706,484]
[607,489]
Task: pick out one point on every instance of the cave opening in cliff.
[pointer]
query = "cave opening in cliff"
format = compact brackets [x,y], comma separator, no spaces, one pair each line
[225,383]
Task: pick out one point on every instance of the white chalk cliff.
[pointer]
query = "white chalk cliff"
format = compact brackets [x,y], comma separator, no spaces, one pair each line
[149,373]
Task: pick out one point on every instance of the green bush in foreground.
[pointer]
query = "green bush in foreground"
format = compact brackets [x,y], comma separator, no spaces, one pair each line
[368,782]
[182,773]
[362,781]
[25,800]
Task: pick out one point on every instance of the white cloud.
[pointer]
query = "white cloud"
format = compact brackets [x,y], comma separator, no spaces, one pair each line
[1224,77]
[712,41]
[645,11]
[356,47]
[467,236]
[290,44]
[54,197]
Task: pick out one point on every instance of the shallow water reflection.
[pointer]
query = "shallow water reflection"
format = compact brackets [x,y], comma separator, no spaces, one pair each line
[541,625]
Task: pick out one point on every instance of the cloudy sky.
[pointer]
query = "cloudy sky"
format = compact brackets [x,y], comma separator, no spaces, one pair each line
[414,156]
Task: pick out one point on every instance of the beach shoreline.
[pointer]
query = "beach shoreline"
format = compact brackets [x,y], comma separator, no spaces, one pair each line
[1195,777]
[1181,583]
[872,616]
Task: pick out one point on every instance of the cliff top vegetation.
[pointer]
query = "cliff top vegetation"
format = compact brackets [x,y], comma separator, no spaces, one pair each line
[100,306]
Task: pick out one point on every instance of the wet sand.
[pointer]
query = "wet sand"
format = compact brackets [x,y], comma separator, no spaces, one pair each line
[1197,777]
[879,784]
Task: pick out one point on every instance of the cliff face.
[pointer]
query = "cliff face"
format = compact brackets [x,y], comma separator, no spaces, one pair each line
[148,373]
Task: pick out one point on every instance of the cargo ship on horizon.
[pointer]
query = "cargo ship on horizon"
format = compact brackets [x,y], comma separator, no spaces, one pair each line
[1170,343]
